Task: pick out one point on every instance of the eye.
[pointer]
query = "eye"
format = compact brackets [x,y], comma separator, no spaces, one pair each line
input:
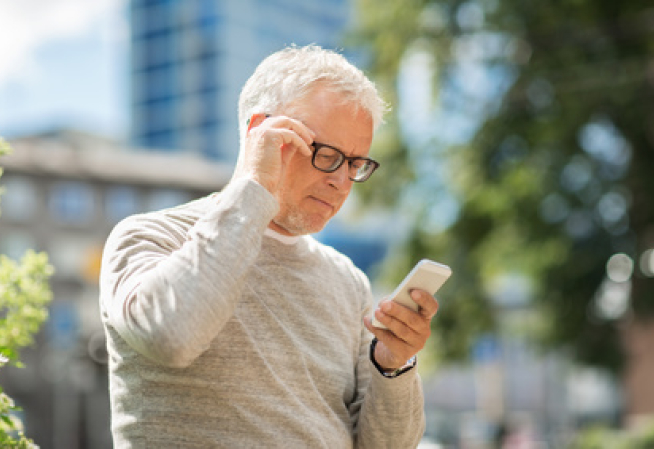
[359,164]
[327,157]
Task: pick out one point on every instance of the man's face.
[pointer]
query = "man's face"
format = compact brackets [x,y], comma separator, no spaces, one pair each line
[308,197]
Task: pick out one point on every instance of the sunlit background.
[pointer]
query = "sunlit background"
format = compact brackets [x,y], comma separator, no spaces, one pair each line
[506,155]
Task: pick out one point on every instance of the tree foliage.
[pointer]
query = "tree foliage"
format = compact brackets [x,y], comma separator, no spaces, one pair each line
[24,297]
[550,169]
[605,438]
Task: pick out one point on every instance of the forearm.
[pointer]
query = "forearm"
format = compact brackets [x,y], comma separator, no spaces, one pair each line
[169,295]
[388,412]
[392,413]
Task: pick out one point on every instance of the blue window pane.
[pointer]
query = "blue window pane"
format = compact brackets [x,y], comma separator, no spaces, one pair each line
[19,199]
[165,198]
[72,203]
[162,140]
[121,202]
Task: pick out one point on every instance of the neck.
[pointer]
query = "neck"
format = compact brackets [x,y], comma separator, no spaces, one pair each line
[280,230]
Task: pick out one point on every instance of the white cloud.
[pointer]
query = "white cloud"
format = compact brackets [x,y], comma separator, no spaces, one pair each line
[26,25]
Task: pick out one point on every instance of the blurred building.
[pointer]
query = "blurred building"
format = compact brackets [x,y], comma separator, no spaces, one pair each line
[190,59]
[512,387]
[64,192]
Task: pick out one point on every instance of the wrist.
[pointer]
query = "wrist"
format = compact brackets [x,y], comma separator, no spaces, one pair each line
[390,372]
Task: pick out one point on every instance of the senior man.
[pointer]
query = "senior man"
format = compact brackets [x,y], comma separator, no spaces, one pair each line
[228,325]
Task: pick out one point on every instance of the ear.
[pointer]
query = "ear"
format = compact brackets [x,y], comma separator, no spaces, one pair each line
[255,120]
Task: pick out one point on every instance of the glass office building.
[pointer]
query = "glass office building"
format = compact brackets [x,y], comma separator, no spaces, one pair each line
[189,59]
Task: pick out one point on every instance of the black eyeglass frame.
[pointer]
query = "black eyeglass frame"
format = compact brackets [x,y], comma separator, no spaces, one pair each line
[350,159]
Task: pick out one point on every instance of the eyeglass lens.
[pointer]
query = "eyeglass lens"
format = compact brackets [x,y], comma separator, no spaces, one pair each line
[329,159]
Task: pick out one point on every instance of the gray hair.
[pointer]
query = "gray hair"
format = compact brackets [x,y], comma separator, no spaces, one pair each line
[289,74]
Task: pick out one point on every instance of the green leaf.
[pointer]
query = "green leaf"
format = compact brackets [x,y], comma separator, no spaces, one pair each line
[24,297]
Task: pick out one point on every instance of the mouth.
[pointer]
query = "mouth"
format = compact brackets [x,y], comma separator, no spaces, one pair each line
[323,203]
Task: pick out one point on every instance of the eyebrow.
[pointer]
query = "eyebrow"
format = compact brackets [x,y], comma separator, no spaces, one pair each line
[315,143]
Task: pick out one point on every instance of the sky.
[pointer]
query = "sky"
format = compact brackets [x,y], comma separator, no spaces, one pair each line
[63,63]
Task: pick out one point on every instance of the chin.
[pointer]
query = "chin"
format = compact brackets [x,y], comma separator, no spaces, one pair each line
[300,224]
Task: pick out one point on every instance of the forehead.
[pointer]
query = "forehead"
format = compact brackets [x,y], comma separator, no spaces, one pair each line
[335,119]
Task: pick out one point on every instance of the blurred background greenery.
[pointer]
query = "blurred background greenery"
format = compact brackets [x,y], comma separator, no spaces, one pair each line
[525,162]
[533,166]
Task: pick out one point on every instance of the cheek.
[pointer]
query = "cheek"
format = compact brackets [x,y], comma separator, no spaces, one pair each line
[338,206]
[291,191]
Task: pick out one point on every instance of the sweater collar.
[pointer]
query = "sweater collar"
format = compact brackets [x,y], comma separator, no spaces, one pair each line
[285,239]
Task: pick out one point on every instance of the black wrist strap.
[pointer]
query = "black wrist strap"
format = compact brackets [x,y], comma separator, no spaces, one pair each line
[398,372]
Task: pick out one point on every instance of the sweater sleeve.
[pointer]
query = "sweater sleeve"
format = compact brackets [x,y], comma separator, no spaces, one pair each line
[168,285]
[388,412]
[392,412]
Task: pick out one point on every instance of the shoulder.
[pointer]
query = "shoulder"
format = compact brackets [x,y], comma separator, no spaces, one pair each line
[161,225]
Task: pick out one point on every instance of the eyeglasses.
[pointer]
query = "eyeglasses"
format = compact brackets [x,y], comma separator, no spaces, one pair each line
[329,159]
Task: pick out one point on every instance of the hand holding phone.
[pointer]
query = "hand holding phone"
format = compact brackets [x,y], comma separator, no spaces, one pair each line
[426,275]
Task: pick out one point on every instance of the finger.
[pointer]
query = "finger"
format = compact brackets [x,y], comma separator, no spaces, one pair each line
[385,335]
[397,351]
[380,333]
[428,304]
[284,140]
[403,323]
[376,331]
[290,143]
[416,321]
[297,127]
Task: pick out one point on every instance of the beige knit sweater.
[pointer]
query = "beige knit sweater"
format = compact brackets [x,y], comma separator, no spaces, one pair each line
[220,336]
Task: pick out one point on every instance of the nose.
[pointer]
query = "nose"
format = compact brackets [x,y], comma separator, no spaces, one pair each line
[340,179]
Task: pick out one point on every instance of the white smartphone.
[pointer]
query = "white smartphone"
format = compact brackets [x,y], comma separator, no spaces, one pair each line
[426,275]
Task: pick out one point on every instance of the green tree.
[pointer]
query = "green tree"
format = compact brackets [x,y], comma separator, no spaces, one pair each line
[603,438]
[24,297]
[550,168]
